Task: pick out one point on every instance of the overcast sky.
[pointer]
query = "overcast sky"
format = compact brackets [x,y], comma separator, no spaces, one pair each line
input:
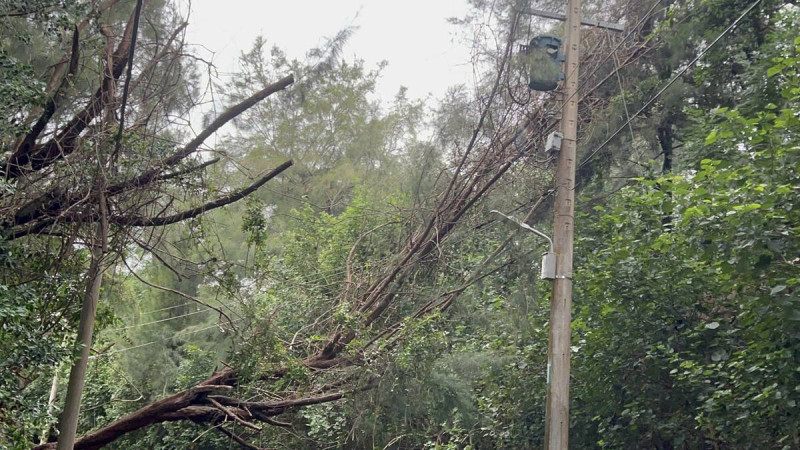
[412,35]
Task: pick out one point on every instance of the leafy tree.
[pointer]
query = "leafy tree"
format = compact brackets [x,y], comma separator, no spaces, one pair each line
[73,163]
[378,304]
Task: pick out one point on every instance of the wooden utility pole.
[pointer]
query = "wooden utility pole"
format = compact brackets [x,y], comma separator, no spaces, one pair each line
[556,433]
[558,353]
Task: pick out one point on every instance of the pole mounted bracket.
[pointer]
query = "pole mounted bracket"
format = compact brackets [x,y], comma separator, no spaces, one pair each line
[588,22]
[548,259]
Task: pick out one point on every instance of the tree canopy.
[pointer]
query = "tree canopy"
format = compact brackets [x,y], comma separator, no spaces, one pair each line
[327,273]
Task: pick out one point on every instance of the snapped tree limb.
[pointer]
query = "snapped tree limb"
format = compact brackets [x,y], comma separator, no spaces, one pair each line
[194,212]
[41,213]
[34,158]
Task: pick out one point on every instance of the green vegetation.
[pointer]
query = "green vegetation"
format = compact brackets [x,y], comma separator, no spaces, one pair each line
[364,297]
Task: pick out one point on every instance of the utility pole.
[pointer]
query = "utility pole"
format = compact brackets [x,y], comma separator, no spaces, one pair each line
[559,345]
[590,22]
[556,432]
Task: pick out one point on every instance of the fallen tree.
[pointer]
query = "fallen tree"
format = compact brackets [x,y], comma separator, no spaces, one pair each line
[487,157]
[81,165]
[136,201]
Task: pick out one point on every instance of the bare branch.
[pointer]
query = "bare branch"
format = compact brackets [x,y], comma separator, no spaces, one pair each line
[177,292]
[179,173]
[192,404]
[51,206]
[238,439]
[52,102]
[194,212]
[233,415]
[158,57]
[230,114]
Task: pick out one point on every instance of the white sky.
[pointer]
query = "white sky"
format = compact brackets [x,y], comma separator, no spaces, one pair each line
[421,48]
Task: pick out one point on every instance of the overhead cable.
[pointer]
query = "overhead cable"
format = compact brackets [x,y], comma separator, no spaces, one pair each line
[158,321]
[671,81]
[122,350]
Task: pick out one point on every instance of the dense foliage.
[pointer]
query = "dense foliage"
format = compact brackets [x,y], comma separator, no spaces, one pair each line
[316,289]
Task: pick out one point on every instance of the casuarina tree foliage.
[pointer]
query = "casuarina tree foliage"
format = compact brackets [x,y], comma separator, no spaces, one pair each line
[325,272]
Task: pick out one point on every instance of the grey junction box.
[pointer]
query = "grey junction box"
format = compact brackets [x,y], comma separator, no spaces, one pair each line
[549,266]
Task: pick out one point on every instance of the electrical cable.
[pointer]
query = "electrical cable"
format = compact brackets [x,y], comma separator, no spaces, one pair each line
[157,321]
[630,33]
[297,283]
[226,305]
[641,21]
[322,274]
[671,81]
[597,67]
[159,340]
[166,308]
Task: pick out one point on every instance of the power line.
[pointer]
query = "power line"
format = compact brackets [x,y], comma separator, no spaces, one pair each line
[294,283]
[226,305]
[335,272]
[166,308]
[597,67]
[160,340]
[158,321]
[671,81]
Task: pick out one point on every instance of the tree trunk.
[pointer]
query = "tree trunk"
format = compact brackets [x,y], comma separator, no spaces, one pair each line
[51,402]
[77,377]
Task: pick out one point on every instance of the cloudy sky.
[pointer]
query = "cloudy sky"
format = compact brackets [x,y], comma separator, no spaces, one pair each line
[423,50]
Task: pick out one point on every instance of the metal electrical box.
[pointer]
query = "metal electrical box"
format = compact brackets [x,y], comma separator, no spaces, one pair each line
[549,266]
[543,60]
[553,144]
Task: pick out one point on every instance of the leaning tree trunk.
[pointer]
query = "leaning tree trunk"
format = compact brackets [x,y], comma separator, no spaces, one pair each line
[77,376]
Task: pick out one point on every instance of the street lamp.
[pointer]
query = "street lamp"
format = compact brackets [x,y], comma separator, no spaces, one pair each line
[549,258]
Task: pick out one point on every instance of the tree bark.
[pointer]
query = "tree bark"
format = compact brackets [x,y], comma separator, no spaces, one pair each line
[665,138]
[77,376]
[30,159]
[50,404]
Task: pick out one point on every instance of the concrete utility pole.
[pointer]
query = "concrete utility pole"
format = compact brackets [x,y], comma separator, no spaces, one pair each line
[558,353]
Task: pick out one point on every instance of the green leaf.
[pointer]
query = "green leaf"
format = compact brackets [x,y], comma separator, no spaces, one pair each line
[712,325]
[772,71]
[777,289]
[712,137]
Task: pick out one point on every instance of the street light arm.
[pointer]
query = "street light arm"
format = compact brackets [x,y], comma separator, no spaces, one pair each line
[524,225]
